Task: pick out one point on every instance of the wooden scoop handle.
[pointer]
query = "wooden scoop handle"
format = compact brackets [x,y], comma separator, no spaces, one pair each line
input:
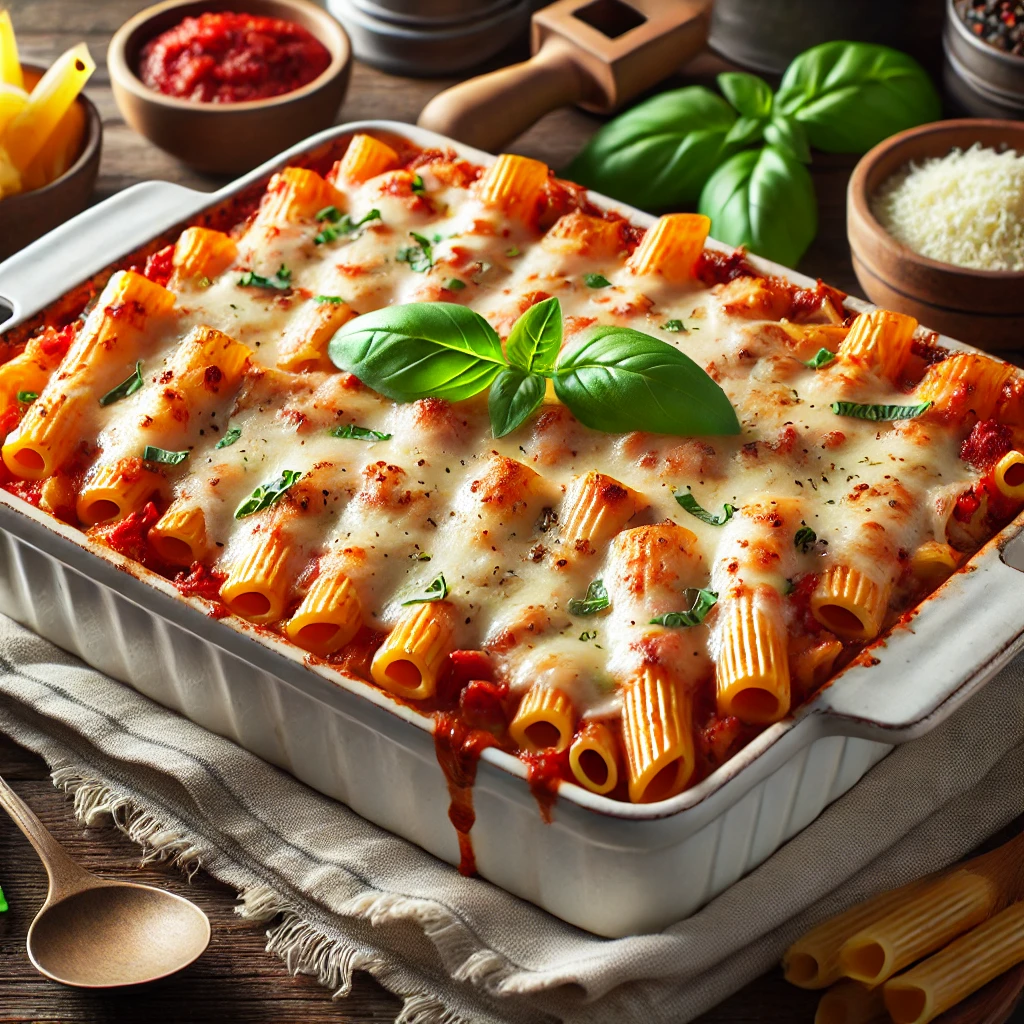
[489,111]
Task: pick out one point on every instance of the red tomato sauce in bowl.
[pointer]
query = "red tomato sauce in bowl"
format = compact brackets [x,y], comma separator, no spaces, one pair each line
[230,57]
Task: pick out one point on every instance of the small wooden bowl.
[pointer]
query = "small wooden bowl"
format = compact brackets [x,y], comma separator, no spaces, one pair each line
[982,307]
[227,138]
[28,216]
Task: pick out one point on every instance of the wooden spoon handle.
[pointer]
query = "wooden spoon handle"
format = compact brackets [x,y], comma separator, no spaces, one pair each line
[491,110]
[64,874]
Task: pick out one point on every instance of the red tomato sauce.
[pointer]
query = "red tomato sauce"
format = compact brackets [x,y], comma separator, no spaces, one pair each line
[231,57]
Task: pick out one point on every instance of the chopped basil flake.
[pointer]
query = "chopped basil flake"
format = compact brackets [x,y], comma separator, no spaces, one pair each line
[229,438]
[675,326]
[596,281]
[701,602]
[437,590]
[804,538]
[588,634]
[342,225]
[153,454]
[125,388]
[419,257]
[455,285]
[351,431]
[281,281]
[690,503]
[417,184]
[512,250]
[420,556]
[790,587]
[331,213]
[334,300]
[820,358]
[27,396]
[266,494]
[595,601]
[878,413]
[204,282]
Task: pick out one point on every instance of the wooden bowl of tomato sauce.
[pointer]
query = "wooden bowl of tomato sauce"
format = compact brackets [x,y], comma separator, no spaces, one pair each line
[225,84]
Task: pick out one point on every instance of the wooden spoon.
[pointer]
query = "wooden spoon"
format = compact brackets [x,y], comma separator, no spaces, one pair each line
[597,53]
[92,933]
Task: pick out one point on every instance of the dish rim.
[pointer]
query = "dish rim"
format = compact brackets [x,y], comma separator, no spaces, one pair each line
[813,716]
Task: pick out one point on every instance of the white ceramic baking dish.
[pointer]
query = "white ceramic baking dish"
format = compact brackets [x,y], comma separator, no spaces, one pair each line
[606,866]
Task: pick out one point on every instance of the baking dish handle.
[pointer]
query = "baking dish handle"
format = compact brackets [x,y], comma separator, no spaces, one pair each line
[928,666]
[43,271]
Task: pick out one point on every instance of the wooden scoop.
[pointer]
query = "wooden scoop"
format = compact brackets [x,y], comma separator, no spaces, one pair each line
[597,53]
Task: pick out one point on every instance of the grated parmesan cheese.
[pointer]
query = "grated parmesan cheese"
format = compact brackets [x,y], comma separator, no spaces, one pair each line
[966,208]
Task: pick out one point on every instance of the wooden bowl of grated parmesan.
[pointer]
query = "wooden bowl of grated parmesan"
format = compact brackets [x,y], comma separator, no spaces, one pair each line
[935,221]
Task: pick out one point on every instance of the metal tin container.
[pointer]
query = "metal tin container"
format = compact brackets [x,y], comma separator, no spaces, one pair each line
[607,866]
[980,79]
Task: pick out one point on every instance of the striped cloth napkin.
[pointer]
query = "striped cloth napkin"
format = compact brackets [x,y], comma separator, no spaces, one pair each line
[341,895]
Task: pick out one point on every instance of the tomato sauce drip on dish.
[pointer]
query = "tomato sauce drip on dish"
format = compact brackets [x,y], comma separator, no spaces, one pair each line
[231,57]
[201,581]
[544,771]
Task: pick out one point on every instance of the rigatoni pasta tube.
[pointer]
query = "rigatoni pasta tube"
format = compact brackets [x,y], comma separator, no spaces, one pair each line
[410,660]
[116,490]
[329,615]
[296,194]
[179,535]
[47,104]
[850,603]
[544,720]
[1008,475]
[879,340]
[596,507]
[671,247]
[303,346]
[938,913]
[49,431]
[515,185]
[849,1002]
[594,758]
[203,252]
[933,561]
[585,234]
[965,381]
[59,151]
[753,663]
[257,583]
[813,960]
[964,966]
[365,158]
[657,735]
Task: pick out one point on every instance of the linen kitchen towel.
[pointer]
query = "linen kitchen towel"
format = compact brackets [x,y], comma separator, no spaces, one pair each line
[342,895]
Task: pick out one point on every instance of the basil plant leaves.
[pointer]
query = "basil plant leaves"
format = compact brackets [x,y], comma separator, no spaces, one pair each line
[618,380]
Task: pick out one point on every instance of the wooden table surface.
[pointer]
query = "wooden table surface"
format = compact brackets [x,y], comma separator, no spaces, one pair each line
[237,980]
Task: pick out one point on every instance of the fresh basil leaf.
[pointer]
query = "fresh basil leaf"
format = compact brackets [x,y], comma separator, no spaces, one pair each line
[342,225]
[674,326]
[596,281]
[820,358]
[420,349]
[351,432]
[701,602]
[750,95]
[596,600]
[536,337]
[660,153]
[763,199]
[266,494]
[787,133]
[437,590]
[690,503]
[515,394]
[804,539]
[621,380]
[745,132]
[27,397]
[125,388]
[879,413]
[334,300]
[453,284]
[3,903]
[153,454]
[419,257]
[281,281]
[229,438]
[851,96]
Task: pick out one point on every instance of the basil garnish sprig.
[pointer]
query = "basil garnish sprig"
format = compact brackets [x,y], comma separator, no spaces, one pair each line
[701,602]
[268,494]
[879,413]
[618,380]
